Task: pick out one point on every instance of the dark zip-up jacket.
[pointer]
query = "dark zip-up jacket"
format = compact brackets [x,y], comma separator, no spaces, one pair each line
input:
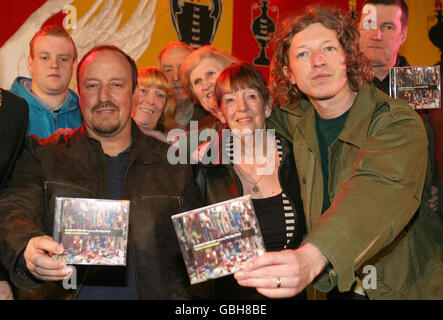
[74,165]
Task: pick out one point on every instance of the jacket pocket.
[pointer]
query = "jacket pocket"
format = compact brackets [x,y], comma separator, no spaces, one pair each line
[163,197]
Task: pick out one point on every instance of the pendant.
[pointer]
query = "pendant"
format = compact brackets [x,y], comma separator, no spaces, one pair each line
[255,189]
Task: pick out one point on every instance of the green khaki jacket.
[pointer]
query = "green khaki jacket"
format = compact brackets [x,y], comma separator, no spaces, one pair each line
[379,186]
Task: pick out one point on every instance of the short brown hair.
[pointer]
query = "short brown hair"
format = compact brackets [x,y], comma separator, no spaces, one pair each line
[358,69]
[238,76]
[52,30]
[399,3]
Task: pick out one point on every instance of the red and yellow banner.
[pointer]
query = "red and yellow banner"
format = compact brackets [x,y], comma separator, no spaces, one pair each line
[143,27]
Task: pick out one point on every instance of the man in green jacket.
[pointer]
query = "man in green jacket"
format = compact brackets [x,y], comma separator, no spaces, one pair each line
[364,174]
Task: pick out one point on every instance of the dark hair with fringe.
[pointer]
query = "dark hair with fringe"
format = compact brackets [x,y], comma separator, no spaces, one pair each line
[238,76]
[358,68]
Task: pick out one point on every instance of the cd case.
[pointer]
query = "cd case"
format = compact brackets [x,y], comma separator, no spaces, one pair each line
[420,86]
[216,240]
[92,231]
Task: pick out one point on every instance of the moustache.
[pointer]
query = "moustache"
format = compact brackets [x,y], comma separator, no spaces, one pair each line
[105,104]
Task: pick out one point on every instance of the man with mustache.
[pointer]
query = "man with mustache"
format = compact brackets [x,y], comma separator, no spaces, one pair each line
[363,170]
[52,105]
[108,158]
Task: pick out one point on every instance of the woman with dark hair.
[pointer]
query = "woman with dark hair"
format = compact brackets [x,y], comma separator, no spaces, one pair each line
[262,166]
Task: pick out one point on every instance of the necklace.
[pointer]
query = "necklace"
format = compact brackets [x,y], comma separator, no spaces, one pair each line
[255,188]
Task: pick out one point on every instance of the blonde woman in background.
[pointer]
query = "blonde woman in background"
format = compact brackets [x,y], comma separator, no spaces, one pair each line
[154,105]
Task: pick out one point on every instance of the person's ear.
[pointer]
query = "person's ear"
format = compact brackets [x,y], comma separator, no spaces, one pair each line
[404,34]
[30,63]
[134,94]
[268,108]
[288,74]
[74,66]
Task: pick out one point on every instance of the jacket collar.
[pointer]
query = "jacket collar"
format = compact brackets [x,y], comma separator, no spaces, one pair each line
[306,124]
[367,101]
[147,148]
[360,115]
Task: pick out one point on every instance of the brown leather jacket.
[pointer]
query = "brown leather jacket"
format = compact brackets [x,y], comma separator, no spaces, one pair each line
[74,165]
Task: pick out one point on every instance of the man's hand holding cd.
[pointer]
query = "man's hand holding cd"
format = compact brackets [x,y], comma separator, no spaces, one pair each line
[39,260]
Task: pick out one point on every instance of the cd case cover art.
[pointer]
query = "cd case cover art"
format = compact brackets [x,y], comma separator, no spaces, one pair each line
[420,86]
[92,231]
[216,240]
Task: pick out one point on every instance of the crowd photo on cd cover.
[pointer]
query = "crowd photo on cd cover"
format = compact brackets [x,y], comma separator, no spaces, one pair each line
[216,239]
[221,150]
[418,85]
[92,232]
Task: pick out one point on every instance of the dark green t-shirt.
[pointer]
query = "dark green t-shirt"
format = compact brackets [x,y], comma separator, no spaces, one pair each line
[327,132]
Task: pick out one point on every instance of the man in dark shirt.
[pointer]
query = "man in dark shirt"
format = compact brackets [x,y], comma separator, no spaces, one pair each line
[383,29]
